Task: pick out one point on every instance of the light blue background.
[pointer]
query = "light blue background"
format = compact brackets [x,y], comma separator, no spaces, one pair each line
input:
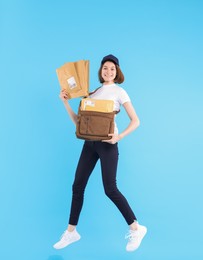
[159,44]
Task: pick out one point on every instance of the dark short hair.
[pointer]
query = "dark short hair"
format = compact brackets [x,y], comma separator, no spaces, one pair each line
[119,75]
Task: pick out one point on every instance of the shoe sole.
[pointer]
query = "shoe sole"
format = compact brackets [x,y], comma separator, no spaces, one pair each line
[58,248]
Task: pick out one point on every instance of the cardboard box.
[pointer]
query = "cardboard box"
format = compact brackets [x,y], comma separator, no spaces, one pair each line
[90,104]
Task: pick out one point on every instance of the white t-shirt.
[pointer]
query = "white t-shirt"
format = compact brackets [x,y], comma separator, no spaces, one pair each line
[112,92]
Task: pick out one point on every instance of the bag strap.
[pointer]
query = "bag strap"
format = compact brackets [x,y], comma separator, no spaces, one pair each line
[92,92]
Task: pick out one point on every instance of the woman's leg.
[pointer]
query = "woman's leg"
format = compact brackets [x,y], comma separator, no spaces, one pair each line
[108,154]
[109,158]
[86,164]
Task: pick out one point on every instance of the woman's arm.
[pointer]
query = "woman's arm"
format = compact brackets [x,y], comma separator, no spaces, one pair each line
[64,97]
[134,120]
[134,123]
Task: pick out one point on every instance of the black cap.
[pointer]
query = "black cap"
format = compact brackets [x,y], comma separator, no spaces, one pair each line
[110,57]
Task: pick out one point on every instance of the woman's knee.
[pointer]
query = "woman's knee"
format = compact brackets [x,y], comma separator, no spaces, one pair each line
[111,192]
[77,188]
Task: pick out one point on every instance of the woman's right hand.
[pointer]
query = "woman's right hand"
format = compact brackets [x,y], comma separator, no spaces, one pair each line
[64,95]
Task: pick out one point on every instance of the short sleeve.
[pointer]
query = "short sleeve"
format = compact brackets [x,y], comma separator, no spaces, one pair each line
[123,96]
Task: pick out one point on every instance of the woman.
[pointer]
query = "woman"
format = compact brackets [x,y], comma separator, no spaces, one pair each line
[110,75]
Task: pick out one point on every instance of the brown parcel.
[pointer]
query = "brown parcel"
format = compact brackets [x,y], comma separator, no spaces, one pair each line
[74,77]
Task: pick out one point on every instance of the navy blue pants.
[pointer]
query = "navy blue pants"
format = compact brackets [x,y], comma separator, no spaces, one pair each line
[108,155]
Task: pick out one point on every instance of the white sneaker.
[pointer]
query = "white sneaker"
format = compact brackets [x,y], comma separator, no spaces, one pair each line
[67,238]
[135,238]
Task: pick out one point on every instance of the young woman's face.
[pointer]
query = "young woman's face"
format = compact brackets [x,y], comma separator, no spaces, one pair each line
[108,72]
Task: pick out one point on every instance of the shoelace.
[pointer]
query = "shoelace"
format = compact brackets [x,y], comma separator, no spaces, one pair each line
[131,235]
[64,235]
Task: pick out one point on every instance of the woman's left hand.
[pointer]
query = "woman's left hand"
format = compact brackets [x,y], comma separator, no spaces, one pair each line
[115,138]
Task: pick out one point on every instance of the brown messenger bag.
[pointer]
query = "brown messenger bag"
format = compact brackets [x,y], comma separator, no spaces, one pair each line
[95,125]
